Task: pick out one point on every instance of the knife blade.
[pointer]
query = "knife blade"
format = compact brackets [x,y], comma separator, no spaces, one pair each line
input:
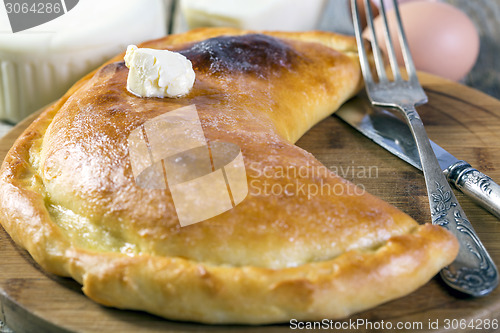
[392,133]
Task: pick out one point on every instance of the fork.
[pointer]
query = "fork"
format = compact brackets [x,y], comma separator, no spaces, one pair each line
[473,272]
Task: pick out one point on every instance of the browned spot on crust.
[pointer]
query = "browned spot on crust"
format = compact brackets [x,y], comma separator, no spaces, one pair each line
[258,54]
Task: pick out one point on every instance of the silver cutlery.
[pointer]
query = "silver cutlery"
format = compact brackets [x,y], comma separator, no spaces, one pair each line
[473,272]
[391,133]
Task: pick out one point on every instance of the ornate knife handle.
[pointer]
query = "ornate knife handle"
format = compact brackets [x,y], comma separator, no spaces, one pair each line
[473,272]
[475,184]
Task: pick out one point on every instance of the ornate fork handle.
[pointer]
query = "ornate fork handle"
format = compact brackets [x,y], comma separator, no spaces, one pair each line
[473,271]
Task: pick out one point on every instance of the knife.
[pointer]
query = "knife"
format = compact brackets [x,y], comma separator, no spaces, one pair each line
[392,133]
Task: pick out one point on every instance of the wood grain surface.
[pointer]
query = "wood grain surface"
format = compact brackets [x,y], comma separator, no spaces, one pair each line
[462,120]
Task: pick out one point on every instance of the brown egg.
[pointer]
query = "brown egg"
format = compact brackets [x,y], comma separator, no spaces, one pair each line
[442,39]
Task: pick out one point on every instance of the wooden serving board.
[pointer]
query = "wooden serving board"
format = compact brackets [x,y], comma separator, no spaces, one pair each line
[462,120]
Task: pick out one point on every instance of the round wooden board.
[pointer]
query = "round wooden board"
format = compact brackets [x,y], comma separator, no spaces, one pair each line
[462,120]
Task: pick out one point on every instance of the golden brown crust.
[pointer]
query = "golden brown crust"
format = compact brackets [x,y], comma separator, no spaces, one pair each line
[67,194]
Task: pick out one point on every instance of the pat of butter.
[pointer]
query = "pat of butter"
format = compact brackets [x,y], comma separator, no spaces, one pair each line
[158,73]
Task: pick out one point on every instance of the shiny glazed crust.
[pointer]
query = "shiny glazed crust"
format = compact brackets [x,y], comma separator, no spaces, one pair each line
[67,193]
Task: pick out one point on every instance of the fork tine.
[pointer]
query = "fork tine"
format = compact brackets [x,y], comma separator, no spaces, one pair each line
[363,58]
[390,48]
[379,62]
[410,67]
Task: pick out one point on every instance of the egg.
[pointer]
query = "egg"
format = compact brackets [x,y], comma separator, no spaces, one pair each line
[442,39]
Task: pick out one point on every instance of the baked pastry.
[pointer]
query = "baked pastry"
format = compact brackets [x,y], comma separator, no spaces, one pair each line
[68,196]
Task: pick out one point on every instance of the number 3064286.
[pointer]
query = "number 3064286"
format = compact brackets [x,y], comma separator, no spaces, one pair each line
[35,8]
[474,324]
